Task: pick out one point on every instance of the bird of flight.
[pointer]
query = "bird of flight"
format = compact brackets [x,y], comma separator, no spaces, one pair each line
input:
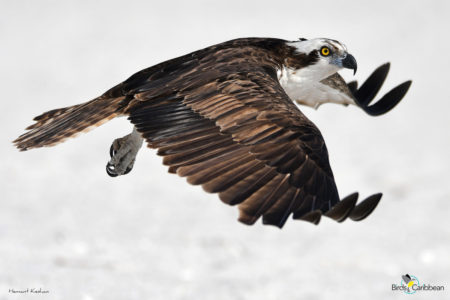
[225,118]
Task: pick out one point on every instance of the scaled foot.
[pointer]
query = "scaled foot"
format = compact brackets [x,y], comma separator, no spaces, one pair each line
[123,153]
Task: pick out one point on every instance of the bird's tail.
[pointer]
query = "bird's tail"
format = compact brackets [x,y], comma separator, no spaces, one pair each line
[55,126]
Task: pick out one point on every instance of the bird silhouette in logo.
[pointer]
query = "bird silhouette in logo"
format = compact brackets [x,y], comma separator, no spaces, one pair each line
[407,279]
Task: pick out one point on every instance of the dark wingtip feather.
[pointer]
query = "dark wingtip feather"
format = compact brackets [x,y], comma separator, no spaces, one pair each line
[366,207]
[367,92]
[353,86]
[312,217]
[370,88]
[274,222]
[246,218]
[389,101]
[343,208]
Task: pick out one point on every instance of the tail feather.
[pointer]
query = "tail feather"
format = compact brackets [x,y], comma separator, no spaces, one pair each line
[55,126]
[49,115]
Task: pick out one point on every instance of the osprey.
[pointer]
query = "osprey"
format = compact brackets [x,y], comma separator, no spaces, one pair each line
[225,118]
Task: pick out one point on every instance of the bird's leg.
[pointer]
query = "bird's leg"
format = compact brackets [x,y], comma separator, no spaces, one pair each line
[123,154]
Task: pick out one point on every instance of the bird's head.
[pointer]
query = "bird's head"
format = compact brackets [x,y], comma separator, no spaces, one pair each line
[322,57]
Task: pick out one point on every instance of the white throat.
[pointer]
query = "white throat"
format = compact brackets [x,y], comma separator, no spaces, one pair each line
[304,86]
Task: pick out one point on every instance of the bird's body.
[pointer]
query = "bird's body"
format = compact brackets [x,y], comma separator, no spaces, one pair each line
[224,117]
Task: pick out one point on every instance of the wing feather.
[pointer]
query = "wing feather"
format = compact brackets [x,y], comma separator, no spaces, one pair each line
[238,134]
[364,95]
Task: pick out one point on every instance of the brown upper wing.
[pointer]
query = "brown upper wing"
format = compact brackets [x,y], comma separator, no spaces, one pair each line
[237,133]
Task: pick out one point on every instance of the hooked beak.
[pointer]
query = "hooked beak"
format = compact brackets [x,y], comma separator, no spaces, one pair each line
[349,62]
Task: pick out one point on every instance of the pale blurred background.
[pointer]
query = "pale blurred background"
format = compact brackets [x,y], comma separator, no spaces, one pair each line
[67,227]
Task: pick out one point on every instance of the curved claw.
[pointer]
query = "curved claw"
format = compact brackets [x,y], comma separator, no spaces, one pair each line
[367,92]
[112,151]
[110,170]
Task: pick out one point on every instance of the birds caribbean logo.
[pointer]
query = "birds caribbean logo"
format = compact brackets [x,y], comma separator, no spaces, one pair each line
[409,281]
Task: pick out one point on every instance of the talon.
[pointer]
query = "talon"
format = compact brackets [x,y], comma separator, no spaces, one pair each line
[123,154]
[110,170]
[112,151]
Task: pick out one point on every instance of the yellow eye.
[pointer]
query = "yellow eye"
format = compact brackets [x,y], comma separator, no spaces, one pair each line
[325,51]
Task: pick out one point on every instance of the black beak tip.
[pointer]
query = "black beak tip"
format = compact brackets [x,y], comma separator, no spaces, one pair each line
[349,62]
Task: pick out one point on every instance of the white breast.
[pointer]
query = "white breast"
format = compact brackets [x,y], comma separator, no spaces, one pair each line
[304,87]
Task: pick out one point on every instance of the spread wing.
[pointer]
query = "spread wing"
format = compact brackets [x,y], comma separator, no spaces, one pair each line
[233,130]
[349,93]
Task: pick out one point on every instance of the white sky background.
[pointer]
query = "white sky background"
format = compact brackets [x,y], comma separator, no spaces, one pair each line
[67,227]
